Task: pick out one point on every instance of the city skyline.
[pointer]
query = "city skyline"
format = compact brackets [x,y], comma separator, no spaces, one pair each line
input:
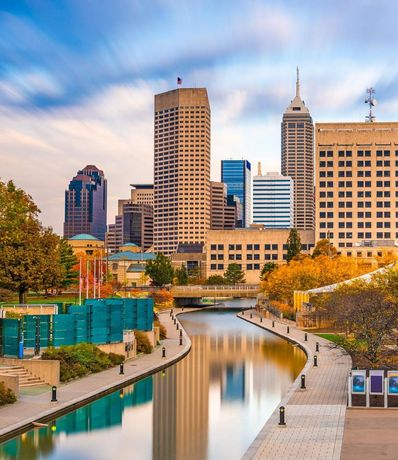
[76,88]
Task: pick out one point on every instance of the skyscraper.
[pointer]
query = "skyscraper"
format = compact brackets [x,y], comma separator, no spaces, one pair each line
[298,158]
[273,200]
[85,204]
[182,168]
[223,216]
[237,175]
[357,187]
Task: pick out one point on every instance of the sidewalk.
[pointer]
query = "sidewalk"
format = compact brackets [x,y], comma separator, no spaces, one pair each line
[315,416]
[18,417]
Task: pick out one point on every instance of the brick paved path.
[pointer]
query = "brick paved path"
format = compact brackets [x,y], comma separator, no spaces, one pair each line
[315,416]
[33,407]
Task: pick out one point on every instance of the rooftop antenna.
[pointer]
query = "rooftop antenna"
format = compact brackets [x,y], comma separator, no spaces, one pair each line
[372,102]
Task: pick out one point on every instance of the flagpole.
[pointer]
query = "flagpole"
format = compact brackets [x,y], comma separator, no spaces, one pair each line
[100,275]
[94,277]
[80,281]
[87,279]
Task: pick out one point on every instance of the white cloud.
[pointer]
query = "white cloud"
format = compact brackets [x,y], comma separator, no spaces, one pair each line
[41,151]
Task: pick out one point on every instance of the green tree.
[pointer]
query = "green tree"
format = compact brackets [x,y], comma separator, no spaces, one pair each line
[29,255]
[293,245]
[160,270]
[182,275]
[234,274]
[68,262]
[215,280]
[267,269]
[324,248]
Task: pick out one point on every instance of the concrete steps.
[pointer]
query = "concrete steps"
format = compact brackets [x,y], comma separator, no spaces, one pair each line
[26,379]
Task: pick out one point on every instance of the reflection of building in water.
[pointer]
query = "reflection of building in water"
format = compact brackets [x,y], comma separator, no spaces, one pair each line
[240,366]
[180,406]
[102,413]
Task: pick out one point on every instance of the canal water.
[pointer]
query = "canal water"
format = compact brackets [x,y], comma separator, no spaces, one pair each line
[210,405]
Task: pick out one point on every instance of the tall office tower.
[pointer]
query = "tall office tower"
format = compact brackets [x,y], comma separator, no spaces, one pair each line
[138,225]
[357,186]
[222,216]
[273,200]
[85,204]
[298,158]
[182,168]
[237,175]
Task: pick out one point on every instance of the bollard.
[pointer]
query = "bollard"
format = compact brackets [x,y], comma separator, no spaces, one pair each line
[171,312]
[178,327]
[315,361]
[54,394]
[288,329]
[180,340]
[251,315]
[282,416]
[180,332]
[182,308]
[163,352]
[305,337]
[273,323]
[317,347]
[243,312]
[121,369]
[302,382]
[261,319]
[175,321]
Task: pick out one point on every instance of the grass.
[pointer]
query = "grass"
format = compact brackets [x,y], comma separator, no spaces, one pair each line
[335,338]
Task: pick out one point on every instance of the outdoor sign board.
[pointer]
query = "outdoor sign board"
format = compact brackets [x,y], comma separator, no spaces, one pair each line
[376,381]
[392,377]
[358,385]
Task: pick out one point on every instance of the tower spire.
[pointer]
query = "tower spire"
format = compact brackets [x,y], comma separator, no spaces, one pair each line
[298,83]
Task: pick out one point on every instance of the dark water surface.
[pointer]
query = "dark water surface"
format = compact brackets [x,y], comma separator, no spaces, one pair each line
[210,405]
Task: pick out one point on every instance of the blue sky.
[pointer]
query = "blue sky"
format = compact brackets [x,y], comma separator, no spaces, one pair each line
[77,79]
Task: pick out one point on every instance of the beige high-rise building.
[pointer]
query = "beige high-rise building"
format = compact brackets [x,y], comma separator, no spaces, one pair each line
[298,158]
[182,168]
[142,194]
[357,186]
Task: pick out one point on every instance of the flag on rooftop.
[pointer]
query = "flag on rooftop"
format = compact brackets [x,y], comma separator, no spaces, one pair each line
[179,81]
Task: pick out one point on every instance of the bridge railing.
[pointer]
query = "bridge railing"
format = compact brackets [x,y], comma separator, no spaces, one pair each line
[223,287]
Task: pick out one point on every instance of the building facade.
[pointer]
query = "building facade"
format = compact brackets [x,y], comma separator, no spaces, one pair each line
[88,245]
[86,204]
[222,216]
[297,131]
[273,200]
[357,187]
[142,194]
[181,168]
[237,175]
[250,248]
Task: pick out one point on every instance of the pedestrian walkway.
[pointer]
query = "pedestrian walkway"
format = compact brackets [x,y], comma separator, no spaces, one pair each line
[18,417]
[315,416]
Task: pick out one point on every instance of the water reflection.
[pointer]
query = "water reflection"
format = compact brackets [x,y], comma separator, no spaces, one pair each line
[210,405]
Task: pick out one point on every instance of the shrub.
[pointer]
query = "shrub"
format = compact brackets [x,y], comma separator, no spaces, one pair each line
[80,360]
[143,343]
[7,396]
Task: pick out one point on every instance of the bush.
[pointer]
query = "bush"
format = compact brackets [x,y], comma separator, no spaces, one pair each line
[7,396]
[82,359]
[143,343]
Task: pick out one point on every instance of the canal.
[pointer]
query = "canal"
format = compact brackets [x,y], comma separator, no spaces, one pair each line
[210,405]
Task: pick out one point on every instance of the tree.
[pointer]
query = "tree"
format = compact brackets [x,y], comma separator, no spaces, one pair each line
[29,256]
[324,248]
[367,310]
[267,269]
[182,275]
[234,274]
[293,245]
[215,280]
[70,275]
[160,270]
[301,275]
